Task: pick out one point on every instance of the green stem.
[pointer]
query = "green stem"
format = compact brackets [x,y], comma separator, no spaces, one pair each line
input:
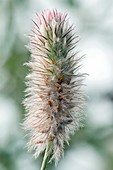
[45,158]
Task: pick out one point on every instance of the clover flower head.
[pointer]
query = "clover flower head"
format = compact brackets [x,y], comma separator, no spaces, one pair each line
[54,99]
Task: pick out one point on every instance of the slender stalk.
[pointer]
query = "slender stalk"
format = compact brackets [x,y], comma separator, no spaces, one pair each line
[45,158]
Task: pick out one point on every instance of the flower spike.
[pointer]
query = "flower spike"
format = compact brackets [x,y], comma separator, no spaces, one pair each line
[54,99]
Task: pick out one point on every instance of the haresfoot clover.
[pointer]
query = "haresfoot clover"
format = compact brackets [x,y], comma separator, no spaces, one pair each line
[54,98]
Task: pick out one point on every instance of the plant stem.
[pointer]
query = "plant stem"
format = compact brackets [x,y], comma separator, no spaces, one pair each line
[45,158]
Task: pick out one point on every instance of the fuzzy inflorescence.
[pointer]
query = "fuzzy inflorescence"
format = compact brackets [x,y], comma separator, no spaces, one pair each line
[54,97]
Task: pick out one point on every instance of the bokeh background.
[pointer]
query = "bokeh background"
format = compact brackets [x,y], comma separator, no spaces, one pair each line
[92,147]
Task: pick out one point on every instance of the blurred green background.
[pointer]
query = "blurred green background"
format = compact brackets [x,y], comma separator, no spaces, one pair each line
[92,147]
